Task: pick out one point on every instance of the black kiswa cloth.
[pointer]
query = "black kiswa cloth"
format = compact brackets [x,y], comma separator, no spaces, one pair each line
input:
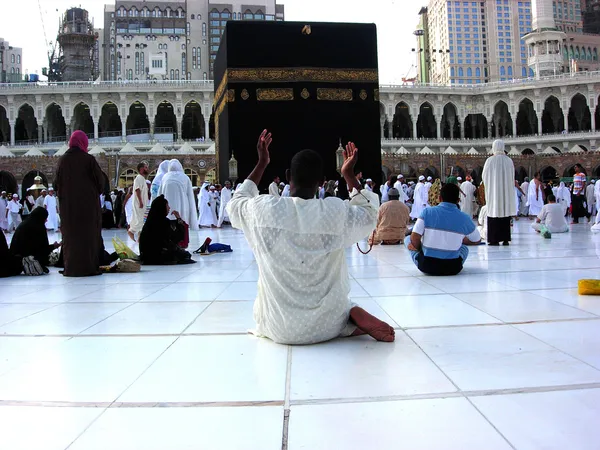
[309,90]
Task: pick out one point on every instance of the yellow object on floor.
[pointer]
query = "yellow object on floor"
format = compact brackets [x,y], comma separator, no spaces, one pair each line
[589,287]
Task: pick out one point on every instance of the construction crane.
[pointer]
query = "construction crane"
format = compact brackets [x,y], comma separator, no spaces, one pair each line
[406,79]
[53,71]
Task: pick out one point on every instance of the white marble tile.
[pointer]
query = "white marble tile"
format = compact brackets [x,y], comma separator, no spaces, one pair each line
[367,368]
[187,292]
[589,303]
[10,293]
[57,294]
[252,428]
[48,428]
[18,350]
[122,291]
[225,317]
[10,312]
[150,318]
[356,290]
[83,369]
[500,357]
[521,306]
[466,283]
[240,290]
[376,272]
[213,369]
[384,287]
[451,424]
[546,420]
[580,339]
[432,311]
[65,318]
[212,276]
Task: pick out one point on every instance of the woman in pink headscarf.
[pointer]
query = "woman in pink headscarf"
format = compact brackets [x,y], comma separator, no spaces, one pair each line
[79,182]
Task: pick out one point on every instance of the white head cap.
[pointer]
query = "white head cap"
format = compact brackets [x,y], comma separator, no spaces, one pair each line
[369,180]
[411,183]
[50,189]
[429,178]
[212,187]
[593,181]
[282,184]
[422,178]
[498,147]
[15,196]
[400,176]
[3,192]
[459,178]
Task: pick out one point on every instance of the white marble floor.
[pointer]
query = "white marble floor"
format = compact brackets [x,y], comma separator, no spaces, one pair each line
[506,355]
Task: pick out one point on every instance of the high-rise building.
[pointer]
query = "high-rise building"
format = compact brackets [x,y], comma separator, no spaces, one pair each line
[591,17]
[77,39]
[567,15]
[483,39]
[11,68]
[171,39]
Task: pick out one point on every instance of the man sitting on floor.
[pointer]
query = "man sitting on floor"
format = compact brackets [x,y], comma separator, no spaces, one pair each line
[552,216]
[299,244]
[393,218]
[439,239]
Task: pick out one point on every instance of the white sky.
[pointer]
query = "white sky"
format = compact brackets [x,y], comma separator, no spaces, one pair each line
[396,20]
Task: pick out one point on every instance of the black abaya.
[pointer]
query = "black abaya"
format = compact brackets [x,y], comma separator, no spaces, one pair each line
[498,229]
[10,265]
[31,238]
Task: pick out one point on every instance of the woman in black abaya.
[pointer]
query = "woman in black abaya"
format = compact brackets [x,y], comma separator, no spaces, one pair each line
[160,236]
[31,238]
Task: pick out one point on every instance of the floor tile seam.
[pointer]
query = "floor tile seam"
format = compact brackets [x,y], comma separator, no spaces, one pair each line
[286,399]
[488,420]
[244,333]
[555,348]
[444,395]
[304,402]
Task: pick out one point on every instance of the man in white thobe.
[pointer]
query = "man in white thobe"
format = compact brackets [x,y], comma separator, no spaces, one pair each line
[420,199]
[398,186]
[226,195]
[499,181]
[467,197]
[428,185]
[300,247]
[369,185]
[139,201]
[274,187]
[535,196]
[12,213]
[590,198]
[39,202]
[596,226]
[3,211]
[52,208]
[206,218]
[524,210]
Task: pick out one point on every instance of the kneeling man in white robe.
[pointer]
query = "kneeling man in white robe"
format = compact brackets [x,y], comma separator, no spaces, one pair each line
[552,217]
[299,244]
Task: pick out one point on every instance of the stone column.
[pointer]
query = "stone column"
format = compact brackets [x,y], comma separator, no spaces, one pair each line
[96,125]
[514,124]
[414,129]
[539,117]
[566,121]
[123,131]
[152,130]
[12,131]
[179,126]
[438,124]
[489,126]
[206,129]
[593,117]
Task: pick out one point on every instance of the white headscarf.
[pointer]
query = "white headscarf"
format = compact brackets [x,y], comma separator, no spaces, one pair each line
[177,189]
[163,168]
[563,195]
[498,147]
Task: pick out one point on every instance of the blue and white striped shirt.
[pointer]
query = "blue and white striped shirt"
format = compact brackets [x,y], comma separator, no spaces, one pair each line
[443,229]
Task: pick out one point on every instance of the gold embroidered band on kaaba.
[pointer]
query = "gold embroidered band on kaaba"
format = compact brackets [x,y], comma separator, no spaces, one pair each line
[299,74]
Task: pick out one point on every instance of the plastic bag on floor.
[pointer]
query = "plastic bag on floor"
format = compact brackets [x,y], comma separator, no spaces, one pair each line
[123,250]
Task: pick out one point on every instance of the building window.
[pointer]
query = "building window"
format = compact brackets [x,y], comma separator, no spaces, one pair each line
[510,71]
[12,59]
[183,63]
[502,71]
[199,58]
[478,72]
[460,72]
[204,76]
[172,74]
[204,29]
[193,57]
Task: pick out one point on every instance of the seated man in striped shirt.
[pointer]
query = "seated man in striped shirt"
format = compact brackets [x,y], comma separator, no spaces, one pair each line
[439,239]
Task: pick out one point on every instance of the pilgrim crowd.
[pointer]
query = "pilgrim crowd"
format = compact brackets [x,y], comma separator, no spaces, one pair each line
[305,220]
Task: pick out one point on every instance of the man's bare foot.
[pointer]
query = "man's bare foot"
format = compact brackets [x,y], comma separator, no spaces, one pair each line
[131,235]
[371,325]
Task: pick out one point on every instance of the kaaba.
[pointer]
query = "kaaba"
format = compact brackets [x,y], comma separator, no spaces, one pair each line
[311,85]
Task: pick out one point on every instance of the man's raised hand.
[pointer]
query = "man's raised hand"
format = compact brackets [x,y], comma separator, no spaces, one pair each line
[350,159]
[264,141]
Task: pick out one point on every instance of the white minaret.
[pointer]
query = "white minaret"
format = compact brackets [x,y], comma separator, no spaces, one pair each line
[545,42]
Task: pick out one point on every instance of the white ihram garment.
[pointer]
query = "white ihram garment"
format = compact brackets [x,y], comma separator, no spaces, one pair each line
[420,201]
[50,205]
[399,187]
[226,195]
[535,200]
[274,189]
[206,218]
[597,195]
[499,181]
[524,209]
[299,246]
[427,186]
[563,197]
[590,199]
[178,191]
[3,218]
[467,201]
